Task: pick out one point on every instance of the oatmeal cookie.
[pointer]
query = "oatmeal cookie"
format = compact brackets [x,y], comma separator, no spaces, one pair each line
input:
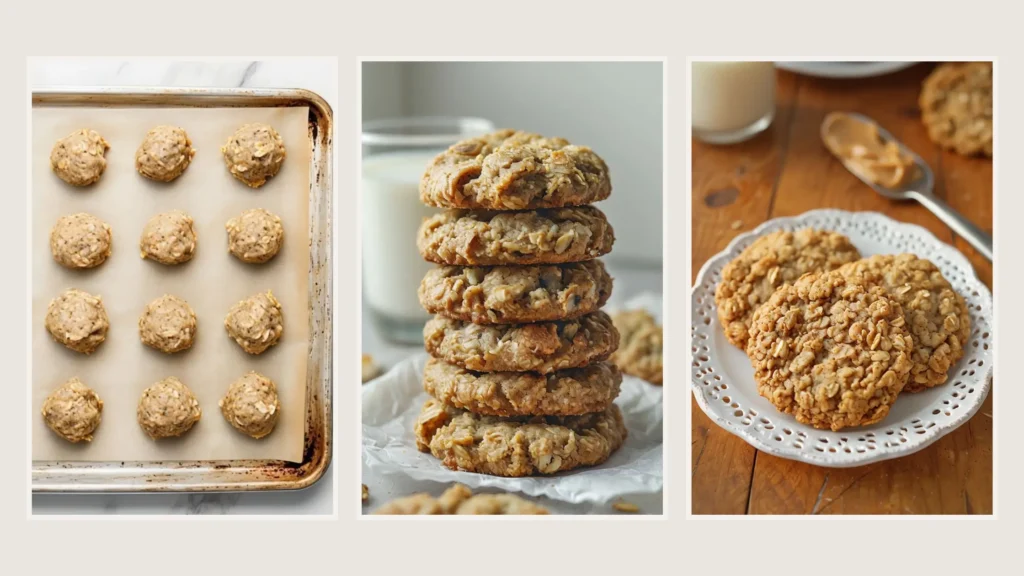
[77,320]
[255,236]
[936,315]
[167,409]
[831,350]
[168,324]
[73,411]
[534,237]
[640,353]
[518,446]
[164,154]
[80,241]
[169,238]
[254,153]
[510,170]
[568,392]
[771,261]
[255,323]
[78,158]
[541,347]
[956,107]
[460,500]
[513,294]
[251,405]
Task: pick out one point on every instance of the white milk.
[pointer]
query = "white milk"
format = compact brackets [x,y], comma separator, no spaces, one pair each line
[392,214]
[731,97]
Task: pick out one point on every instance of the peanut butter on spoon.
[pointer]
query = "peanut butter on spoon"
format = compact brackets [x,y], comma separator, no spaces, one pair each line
[863,150]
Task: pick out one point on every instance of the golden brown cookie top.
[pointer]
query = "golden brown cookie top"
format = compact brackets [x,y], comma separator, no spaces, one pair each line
[640,352]
[956,107]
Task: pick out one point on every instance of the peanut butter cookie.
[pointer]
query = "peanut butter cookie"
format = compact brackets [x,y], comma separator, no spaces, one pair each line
[773,260]
[508,295]
[519,446]
[168,324]
[80,241]
[255,236]
[534,237]
[167,409]
[255,323]
[956,107]
[640,353]
[164,154]
[78,158]
[541,347]
[564,393]
[460,500]
[251,405]
[77,320]
[169,238]
[254,153]
[73,411]
[935,314]
[831,350]
[510,170]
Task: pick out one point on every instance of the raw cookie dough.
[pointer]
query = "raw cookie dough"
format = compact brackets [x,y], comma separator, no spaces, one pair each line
[255,235]
[78,157]
[831,350]
[169,238]
[167,408]
[256,323]
[640,353]
[516,447]
[168,324]
[164,154]
[73,411]
[460,500]
[773,260]
[936,315]
[510,170]
[77,320]
[956,107]
[80,241]
[254,153]
[251,405]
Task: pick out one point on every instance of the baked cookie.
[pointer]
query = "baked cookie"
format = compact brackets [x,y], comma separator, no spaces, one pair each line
[169,238]
[254,153]
[77,320]
[167,408]
[78,158]
[80,241]
[168,324]
[255,323]
[251,405]
[514,294]
[164,154]
[460,500]
[519,446]
[935,314]
[640,351]
[956,107]
[73,411]
[554,236]
[255,235]
[509,170]
[541,347]
[773,260]
[564,393]
[831,350]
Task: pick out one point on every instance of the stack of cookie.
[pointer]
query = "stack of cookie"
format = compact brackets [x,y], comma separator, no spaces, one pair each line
[518,377]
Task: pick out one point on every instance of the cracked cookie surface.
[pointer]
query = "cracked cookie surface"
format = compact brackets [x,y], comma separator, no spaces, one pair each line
[510,170]
[519,446]
[956,107]
[831,350]
[568,392]
[554,236]
[460,500]
[514,294]
[640,349]
[773,260]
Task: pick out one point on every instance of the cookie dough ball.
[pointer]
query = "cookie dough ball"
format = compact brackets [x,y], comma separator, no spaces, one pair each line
[254,153]
[78,157]
[168,324]
[169,238]
[80,241]
[251,405]
[255,235]
[78,320]
[164,154]
[256,323]
[73,411]
[167,408]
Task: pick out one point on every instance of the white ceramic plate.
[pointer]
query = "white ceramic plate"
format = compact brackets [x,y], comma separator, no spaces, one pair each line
[844,69]
[723,380]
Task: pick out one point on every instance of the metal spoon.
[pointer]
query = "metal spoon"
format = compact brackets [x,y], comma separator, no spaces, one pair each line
[921,190]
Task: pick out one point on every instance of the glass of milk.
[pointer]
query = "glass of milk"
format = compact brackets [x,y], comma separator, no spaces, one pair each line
[395,156]
[731,101]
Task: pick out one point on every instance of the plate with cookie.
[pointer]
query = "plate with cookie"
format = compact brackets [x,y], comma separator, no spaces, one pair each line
[840,338]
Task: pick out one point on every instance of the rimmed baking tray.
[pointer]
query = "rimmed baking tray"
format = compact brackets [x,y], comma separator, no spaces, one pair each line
[229,475]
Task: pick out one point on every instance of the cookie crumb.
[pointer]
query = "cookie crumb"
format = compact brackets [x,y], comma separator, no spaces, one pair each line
[627,507]
[736,224]
[366,493]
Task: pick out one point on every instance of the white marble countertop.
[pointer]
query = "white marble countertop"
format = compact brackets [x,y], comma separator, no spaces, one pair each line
[316,74]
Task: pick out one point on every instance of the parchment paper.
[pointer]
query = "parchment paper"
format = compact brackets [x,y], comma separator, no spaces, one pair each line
[392,402]
[212,282]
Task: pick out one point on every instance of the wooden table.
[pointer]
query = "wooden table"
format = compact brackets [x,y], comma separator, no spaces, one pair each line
[787,171]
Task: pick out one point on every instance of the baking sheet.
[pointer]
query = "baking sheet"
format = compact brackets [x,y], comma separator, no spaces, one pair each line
[212,282]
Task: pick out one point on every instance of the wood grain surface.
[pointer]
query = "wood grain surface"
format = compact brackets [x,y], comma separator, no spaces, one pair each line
[787,171]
